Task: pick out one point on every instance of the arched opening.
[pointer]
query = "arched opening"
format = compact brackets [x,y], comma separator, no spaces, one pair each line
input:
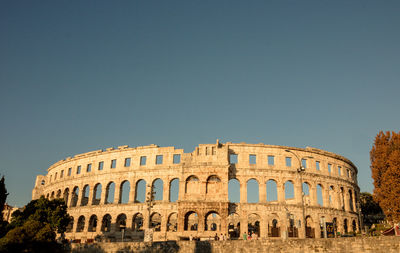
[213,185]
[174,190]
[92,223]
[172,224]
[158,186]
[345,226]
[110,190]
[192,185]
[310,231]
[125,189]
[106,223]
[52,195]
[234,190]
[137,222]
[342,198]
[254,225]
[289,190]
[70,225]
[74,197]
[274,228]
[155,221]
[140,192]
[354,226]
[212,222]
[233,225]
[96,194]
[191,221]
[252,191]
[331,195]
[320,197]
[306,193]
[351,200]
[81,224]
[292,229]
[85,195]
[66,196]
[121,222]
[272,190]
[58,195]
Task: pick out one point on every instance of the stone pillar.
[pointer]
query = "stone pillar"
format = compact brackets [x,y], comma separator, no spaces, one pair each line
[129,219]
[298,192]
[325,196]
[201,224]
[103,194]
[346,201]
[80,193]
[224,225]
[243,225]
[86,226]
[264,228]
[166,188]
[181,222]
[164,220]
[113,227]
[313,195]
[117,192]
[91,192]
[354,202]
[243,192]
[280,188]
[132,193]
[263,193]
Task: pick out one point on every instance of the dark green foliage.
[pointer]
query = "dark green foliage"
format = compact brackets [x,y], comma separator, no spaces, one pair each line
[34,228]
[3,196]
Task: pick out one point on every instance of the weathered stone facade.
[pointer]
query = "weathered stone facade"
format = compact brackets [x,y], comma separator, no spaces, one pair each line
[203,207]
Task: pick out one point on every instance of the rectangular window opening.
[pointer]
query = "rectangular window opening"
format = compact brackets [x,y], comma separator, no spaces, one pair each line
[288,162]
[143,160]
[89,167]
[62,174]
[177,159]
[159,159]
[329,168]
[252,159]
[304,163]
[127,162]
[317,165]
[113,163]
[101,164]
[339,171]
[233,158]
[271,160]
[69,171]
[78,170]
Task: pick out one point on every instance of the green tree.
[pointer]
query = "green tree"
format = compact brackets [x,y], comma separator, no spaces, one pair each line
[385,168]
[3,198]
[34,229]
[370,209]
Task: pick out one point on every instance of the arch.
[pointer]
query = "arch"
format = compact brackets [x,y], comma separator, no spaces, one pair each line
[191,221]
[320,197]
[52,195]
[70,225]
[110,190]
[172,224]
[92,223]
[174,190]
[233,222]
[253,226]
[331,197]
[351,200]
[274,229]
[234,190]
[272,191]
[137,222]
[85,195]
[74,196]
[354,226]
[106,223]
[345,226]
[124,191]
[155,221]
[158,186]
[96,194]
[81,224]
[289,189]
[66,196]
[213,185]
[310,230]
[252,191]
[192,185]
[58,195]
[212,221]
[121,222]
[140,191]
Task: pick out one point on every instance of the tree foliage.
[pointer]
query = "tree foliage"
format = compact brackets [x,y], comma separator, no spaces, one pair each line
[3,196]
[34,229]
[370,209]
[385,167]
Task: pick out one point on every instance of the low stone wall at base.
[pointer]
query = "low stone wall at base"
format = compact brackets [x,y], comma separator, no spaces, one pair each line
[380,244]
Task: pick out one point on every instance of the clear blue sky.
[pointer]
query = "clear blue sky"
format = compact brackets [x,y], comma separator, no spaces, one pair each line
[76,76]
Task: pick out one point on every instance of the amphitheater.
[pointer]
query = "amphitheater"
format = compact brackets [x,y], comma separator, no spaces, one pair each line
[228,188]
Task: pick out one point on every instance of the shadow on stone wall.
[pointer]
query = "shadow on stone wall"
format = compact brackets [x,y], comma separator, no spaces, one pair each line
[202,247]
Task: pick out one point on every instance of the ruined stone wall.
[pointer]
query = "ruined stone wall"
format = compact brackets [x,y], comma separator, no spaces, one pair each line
[337,245]
[204,206]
